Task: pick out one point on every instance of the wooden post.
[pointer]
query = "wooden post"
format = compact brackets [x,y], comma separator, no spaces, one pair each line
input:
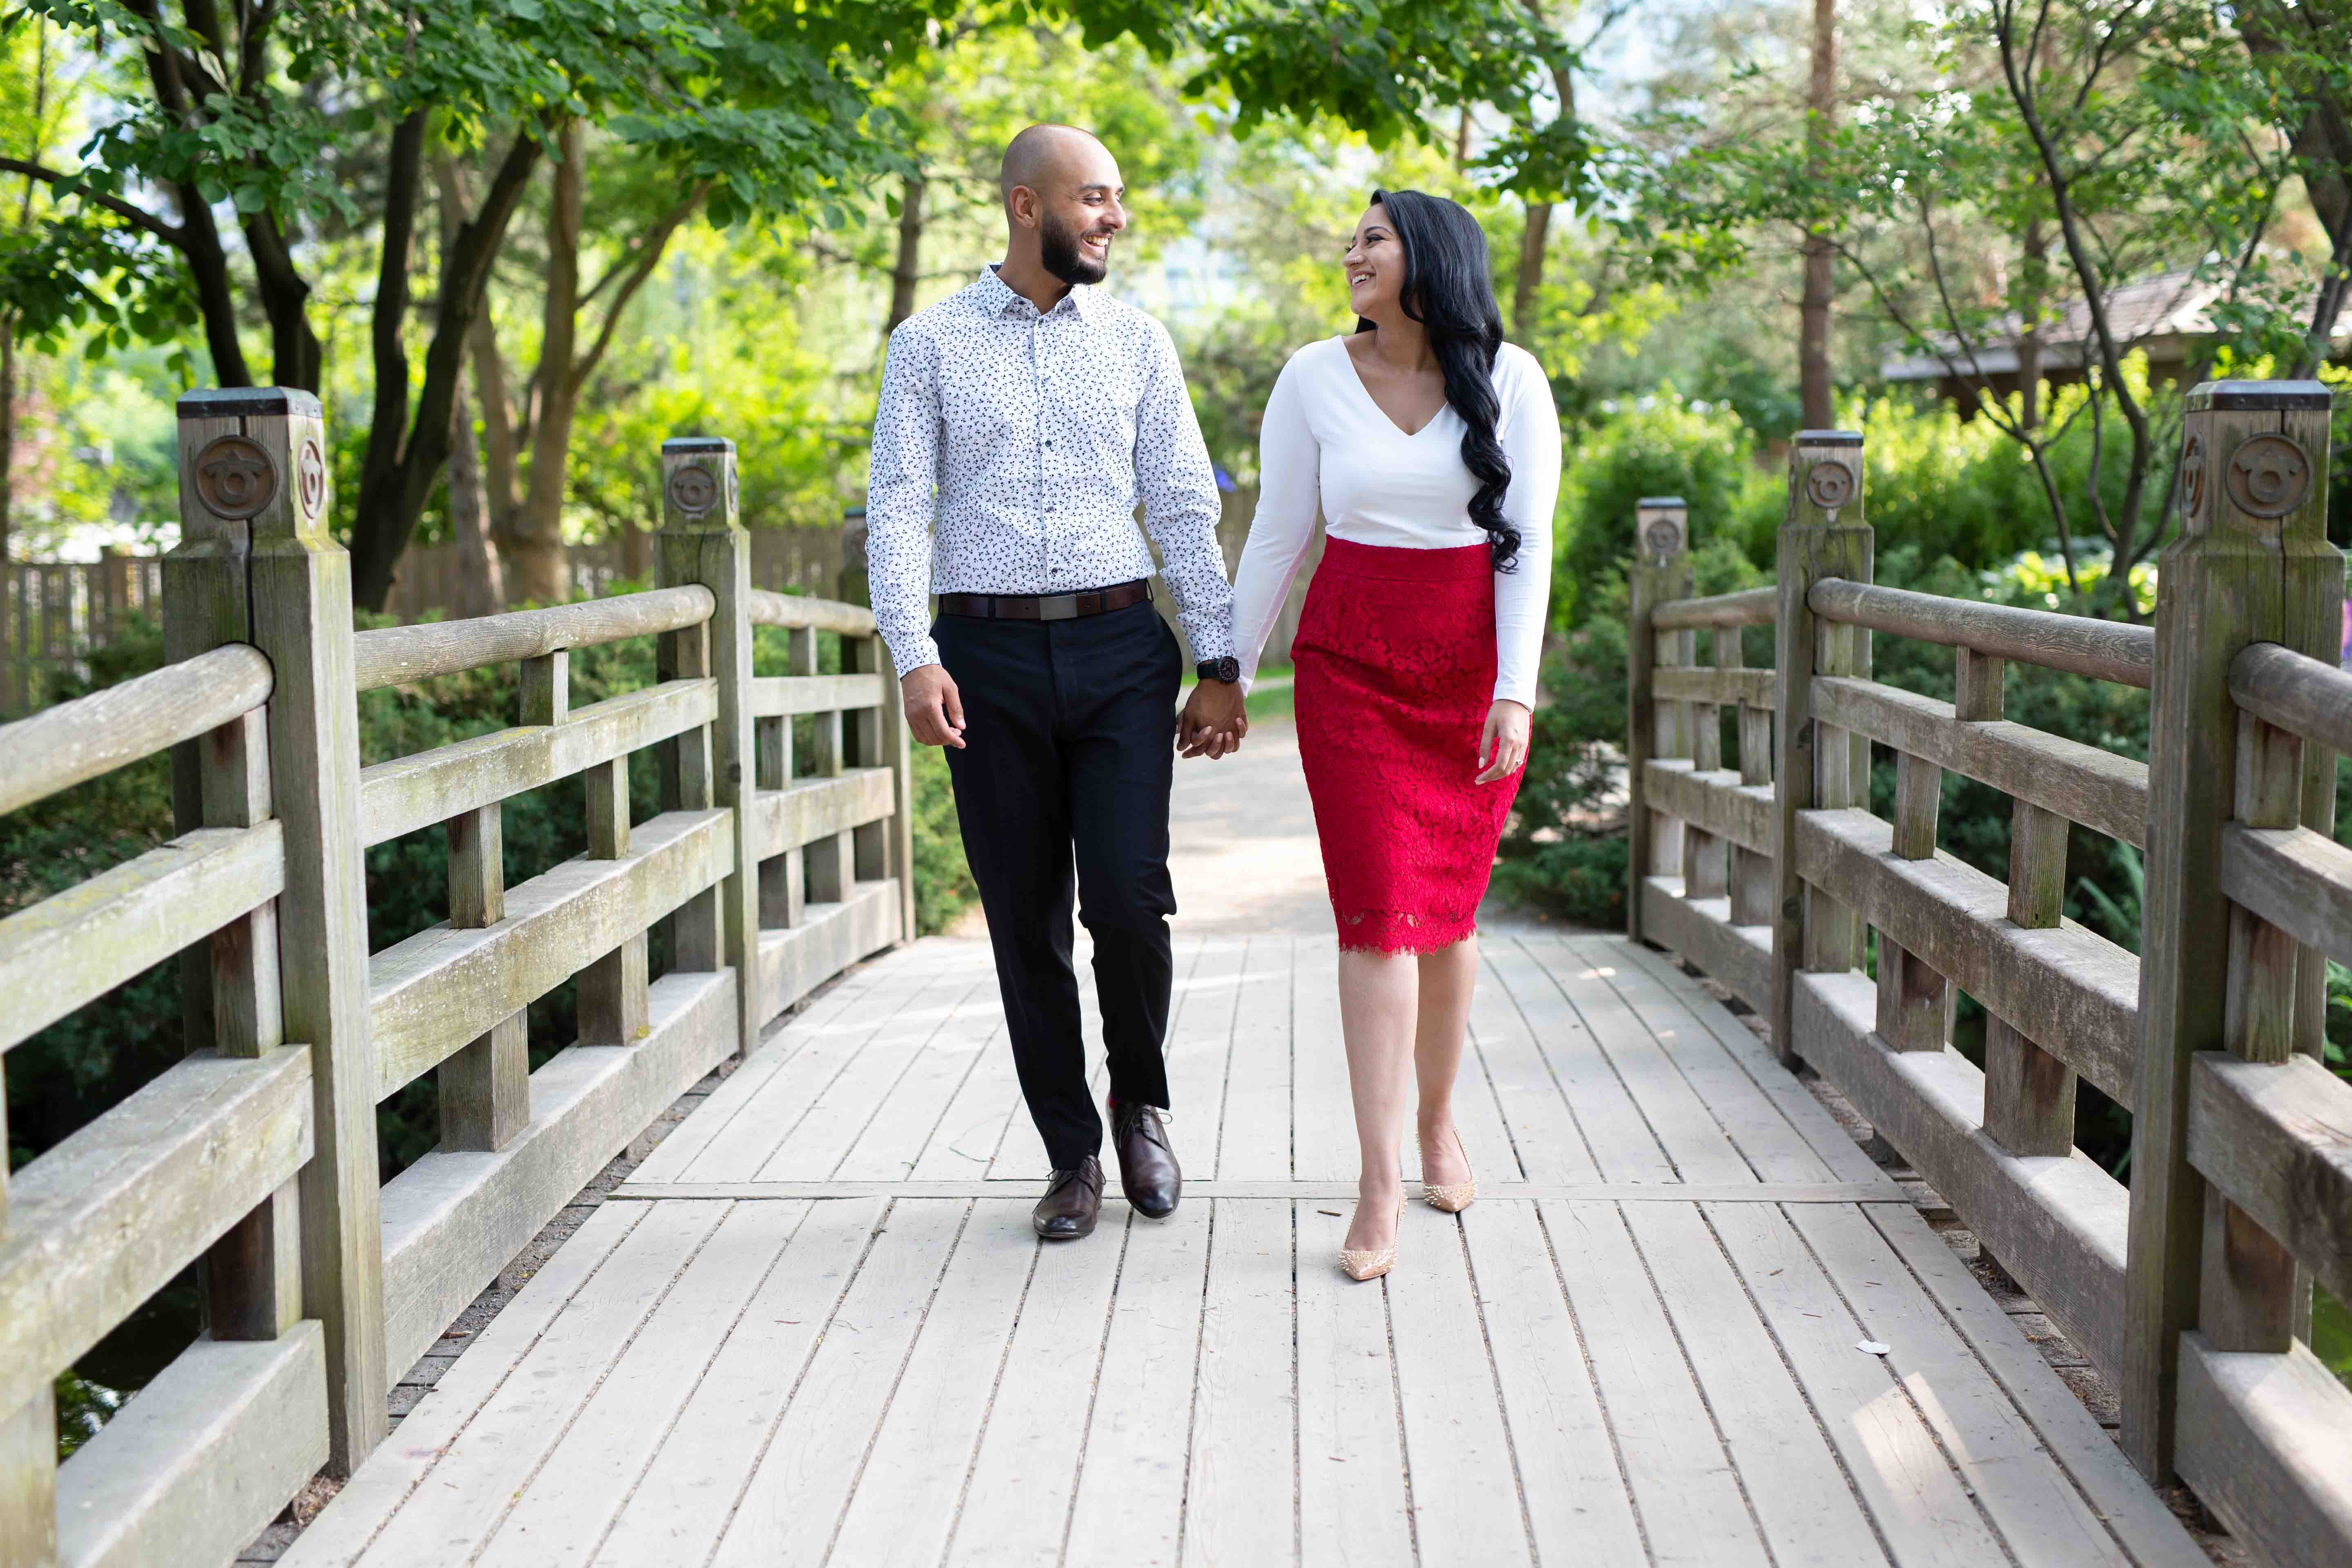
[2251,564]
[702,542]
[1822,536]
[1915,1005]
[1661,573]
[1748,871]
[267,466]
[29,1483]
[2029,1094]
[484,1087]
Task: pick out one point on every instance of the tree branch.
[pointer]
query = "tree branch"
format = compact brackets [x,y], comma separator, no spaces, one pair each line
[650,251]
[138,218]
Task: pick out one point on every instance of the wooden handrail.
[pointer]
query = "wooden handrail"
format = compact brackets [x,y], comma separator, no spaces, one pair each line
[75,741]
[2104,650]
[1748,608]
[2294,691]
[391,654]
[799,612]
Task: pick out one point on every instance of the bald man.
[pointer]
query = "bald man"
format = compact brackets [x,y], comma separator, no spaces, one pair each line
[1020,423]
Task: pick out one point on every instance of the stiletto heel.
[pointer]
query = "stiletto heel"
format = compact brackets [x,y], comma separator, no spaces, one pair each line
[1452,1197]
[1370,1262]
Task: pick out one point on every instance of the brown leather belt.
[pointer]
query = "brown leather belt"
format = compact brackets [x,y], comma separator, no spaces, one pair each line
[1047,606]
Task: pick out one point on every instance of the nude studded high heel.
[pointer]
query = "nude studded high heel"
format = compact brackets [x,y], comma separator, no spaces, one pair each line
[1369,1262]
[1452,1197]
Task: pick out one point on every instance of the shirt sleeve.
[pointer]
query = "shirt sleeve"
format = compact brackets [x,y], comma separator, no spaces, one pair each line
[1529,432]
[1289,480]
[1179,490]
[901,478]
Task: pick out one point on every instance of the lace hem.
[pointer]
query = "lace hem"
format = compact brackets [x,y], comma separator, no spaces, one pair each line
[1401,931]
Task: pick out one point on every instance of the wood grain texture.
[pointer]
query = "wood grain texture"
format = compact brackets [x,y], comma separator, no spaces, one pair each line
[802,613]
[195,1466]
[785,696]
[2296,691]
[2081,645]
[442,987]
[80,740]
[392,656]
[1716,802]
[1649,582]
[829,939]
[2277,1138]
[1811,548]
[809,810]
[29,1477]
[104,1219]
[1728,688]
[485,1088]
[409,793]
[2263,1439]
[2294,878]
[2065,985]
[1738,956]
[79,944]
[2057,1224]
[1748,608]
[2106,792]
[2227,581]
[452,1220]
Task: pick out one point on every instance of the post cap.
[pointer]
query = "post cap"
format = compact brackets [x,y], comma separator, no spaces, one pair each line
[2259,397]
[697,443]
[245,402]
[1829,437]
[1650,503]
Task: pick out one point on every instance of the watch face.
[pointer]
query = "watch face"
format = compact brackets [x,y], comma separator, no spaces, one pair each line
[1227,669]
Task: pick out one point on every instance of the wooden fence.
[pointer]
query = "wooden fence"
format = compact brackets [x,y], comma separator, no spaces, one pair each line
[2190,1290]
[52,612]
[257,1156]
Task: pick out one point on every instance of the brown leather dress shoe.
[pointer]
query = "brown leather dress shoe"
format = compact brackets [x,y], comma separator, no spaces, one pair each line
[1147,1172]
[1073,1199]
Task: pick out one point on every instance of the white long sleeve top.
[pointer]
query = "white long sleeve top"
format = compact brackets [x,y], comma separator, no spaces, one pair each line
[1325,442]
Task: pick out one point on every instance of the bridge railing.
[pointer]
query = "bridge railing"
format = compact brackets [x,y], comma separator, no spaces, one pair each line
[2190,1289]
[771,872]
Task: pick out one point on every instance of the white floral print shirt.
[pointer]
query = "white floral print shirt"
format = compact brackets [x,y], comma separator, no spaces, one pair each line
[1039,435]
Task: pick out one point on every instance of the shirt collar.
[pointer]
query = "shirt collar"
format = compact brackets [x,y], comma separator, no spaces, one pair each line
[996,296]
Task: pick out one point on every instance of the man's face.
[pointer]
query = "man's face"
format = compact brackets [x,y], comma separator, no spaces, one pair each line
[1078,212]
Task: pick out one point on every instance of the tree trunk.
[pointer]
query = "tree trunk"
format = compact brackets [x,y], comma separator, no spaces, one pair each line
[1816,383]
[909,269]
[2033,300]
[294,350]
[536,567]
[1530,278]
[397,477]
[481,590]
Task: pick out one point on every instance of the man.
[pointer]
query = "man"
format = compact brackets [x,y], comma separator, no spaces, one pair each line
[1041,411]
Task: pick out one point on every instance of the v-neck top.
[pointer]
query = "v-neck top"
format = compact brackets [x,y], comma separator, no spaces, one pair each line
[1326,444]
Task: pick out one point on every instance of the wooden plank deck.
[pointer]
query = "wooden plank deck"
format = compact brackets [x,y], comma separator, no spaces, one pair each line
[814,1327]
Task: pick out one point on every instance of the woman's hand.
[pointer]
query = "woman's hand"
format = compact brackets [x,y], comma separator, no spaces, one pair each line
[1503,747]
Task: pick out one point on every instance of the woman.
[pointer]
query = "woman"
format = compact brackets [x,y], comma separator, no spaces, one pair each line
[1433,450]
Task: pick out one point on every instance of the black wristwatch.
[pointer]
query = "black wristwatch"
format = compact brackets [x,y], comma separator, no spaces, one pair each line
[1227,669]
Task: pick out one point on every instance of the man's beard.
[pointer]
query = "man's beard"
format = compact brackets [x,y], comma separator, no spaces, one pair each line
[1058,250]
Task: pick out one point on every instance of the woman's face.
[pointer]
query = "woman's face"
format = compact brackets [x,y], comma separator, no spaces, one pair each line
[1375,263]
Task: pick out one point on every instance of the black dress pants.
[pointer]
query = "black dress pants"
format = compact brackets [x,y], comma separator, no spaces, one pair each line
[1069,745]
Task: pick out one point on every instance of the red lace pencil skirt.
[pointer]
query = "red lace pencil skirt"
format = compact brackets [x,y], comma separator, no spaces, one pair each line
[1396,658]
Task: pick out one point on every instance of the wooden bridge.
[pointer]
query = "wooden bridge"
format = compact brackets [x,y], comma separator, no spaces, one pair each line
[1690,1320]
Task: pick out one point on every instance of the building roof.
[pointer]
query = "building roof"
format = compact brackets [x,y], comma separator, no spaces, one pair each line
[2159,315]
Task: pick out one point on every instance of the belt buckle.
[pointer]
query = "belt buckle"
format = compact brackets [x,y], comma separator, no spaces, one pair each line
[1058,607]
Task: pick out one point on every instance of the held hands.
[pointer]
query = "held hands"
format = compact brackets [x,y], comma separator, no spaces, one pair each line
[1213,722]
[1504,744]
[934,706]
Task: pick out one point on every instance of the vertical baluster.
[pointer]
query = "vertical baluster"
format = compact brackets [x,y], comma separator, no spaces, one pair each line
[273,472]
[1705,869]
[780,875]
[484,1087]
[832,860]
[1661,573]
[2234,576]
[1749,871]
[1824,536]
[613,1007]
[2029,1094]
[703,542]
[888,735]
[1914,1005]
[28,1484]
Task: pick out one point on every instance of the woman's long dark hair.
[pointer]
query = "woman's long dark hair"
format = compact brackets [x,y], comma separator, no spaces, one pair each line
[1448,291]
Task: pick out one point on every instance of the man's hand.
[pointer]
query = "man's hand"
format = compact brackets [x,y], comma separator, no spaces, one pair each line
[934,706]
[1215,721]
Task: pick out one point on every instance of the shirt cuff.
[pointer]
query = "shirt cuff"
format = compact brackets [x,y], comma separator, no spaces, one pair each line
[1522,694]
[908,654]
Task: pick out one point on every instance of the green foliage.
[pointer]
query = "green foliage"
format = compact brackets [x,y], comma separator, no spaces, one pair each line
[1661,447]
